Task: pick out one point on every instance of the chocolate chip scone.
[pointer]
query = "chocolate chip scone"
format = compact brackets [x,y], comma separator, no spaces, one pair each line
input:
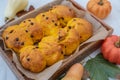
[33,28]
[32,59]
[9,30]
[48,21]
[52,50]
[64,13]
[83,27]
[70,42]
[17,38]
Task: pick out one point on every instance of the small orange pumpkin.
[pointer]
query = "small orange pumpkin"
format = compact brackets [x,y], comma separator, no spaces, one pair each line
[100,8]
[111,49]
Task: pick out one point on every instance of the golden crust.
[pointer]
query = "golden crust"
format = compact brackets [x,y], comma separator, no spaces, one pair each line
[70,42]
[33,28]
[32,59]
[64,14]
[51,49]
[9,30]
[17,39]
[48,21]
[83,28]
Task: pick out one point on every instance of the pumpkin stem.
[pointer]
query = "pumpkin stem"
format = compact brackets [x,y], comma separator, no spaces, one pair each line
[117,44]
[100,2]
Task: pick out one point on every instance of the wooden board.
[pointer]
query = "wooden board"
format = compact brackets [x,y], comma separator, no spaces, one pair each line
[85,50]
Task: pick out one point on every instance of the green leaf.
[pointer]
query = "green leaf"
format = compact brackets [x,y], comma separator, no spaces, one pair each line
[101,69]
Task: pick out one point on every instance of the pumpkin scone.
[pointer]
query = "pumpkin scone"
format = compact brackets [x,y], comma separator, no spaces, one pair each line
[51,49]
[82,26]
[9,30]
[18,39]
[33,28]
[48,21]
[70,42]
[64,13]
[32,59]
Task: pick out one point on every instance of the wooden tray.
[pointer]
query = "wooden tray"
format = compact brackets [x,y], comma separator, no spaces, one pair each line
[85,50]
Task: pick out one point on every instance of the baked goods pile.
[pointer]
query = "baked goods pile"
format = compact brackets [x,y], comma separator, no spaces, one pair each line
[44,40]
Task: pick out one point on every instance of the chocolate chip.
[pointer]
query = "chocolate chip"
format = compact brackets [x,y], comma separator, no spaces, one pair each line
[69,27]
[29,20]
[65,46]
[36,47]
[24,21]
[62,52]
[80,36]
[22,43]
[28,59]
[31,36]
[6,38]
[11,31]
[46,18]
[43,15]
[62,26]
[53,21]
[74,19]
[17,39]
[26,31]
[55,24]
[35,43]
[32,23]
[60,38]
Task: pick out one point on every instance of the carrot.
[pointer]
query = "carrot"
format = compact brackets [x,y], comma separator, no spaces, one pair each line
[75,72]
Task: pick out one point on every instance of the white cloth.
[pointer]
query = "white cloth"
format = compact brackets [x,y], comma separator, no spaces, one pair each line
[113,20]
